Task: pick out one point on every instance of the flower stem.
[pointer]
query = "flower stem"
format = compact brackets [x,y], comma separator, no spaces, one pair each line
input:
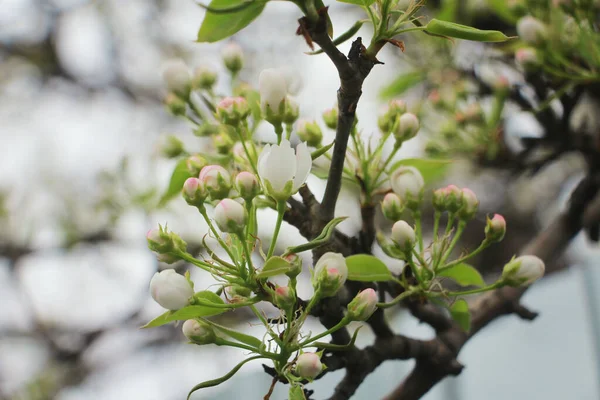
[345,321]
[398,298]
[484,245]
[478,290]
[202,210]
[461,227]
[280,212]
[418,228]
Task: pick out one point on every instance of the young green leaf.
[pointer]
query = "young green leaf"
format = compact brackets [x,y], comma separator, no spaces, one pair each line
[320,151]
[239,336]
[364,3]
[460,313]
[178,178]
[184,313]
[222,379]
[431,169]
[463,274]
[402,84]
[209,296]
[274,266]
[296,393]
[218,26]
[459,31]
[367,268]
[320,240]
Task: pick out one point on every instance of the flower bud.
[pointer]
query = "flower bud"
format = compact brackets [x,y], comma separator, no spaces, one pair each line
[175,105]
[171,290]
[231,110]
[230,216]
[454,198]
[247,185]
[523,270]
[392,206]
[272,87]
[178,78]
[397,107]
[440,199]
[284,297]
[310,132]
[296,262]
[199,332]
[217,181]
[330,117]
[403,235]
[308,365]
[194,192]
[204,78]
[165,243]
[407,127]
[195,163]
[495,228]
[527,58]
[171,147]
[470,204]
[233,57]
[363,305]
[223,142]
[531,30]
[330,274]
[408,183]
[291,111]
[207,129]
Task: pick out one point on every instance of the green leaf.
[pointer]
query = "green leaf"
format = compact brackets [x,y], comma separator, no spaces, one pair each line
[367,268]
[296,393]
[460,313]
[401,84]
[185,313]
[222,379]
[364,3]
[239,336]
[319,152]
[219,26]
[451,29]
[431,169]
[463,274]
[320,240]
[178,178]
[274,266]
[502,9]
[209,296]
[319,5]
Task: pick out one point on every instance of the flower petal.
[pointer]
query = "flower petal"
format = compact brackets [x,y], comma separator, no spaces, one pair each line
[303,165]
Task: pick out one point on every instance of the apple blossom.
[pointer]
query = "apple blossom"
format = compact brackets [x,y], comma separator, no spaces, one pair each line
[171,290]
[283,172]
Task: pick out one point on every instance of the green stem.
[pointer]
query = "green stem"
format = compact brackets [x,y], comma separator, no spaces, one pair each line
[345,321]
[247,253]
[288,131]
[250,158]
[461,227]
[202,210]
[478,290]
[279,132]
[280,212]
[398,298]
[484,245]
[436,224]
[418,228]
[205,266]
[397,146]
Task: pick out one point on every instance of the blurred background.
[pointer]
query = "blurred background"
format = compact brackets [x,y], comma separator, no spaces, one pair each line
[81,124]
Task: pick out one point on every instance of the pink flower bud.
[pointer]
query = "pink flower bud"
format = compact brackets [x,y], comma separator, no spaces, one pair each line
[403,235]
[523,270]
[195,163]
[171,290]
[308,365]
[470,204]
[166,244]
[440,199]
[392,206]
[495,228]
[199,332]
[217,181]
[453,198]
[230,216]
[363,305]
[247,185]
[296,261]
[194,192]
[231,110]
[284,297]
[330,274]
[330,117]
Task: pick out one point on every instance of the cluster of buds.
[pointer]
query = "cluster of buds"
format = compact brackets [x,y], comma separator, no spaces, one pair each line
[232,110]
[165,244]
[402,124]
[462,202]
[407,183]
[171,290]
[330,274]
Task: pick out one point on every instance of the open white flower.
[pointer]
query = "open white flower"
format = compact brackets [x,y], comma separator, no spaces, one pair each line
[283,171]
